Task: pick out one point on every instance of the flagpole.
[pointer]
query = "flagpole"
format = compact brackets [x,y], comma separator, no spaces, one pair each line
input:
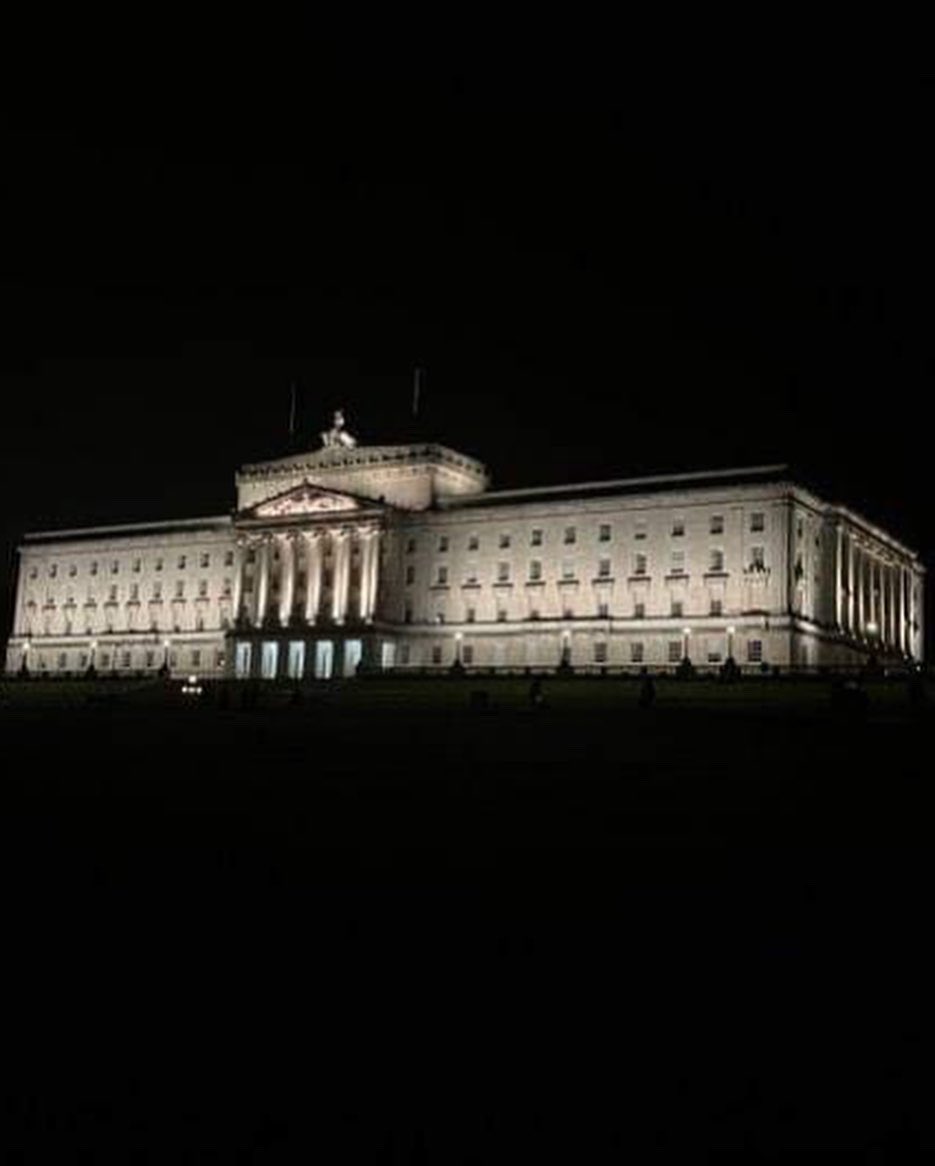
[292,414]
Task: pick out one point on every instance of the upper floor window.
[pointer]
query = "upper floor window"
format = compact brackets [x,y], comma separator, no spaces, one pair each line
[182,561]
[158,565]
[203,588]
[410,574]
[33,572]
[600,651]
[228,558]
[639,565]
[470,573]
[571,534]
[503,572]
[137,565]
[716,525]
[677,608]
[134,591]
[603,611]
[504,541]
[535,538]
[114,567]
[568,569]
[757,558]
[639,531]
[410,546]
[442,575]
[473,542]
[53,570]
[678,527]
[180,590]
[717,559]
[443,543]
[157,591]
[603,568]
[113,593]
[717,607]
[535,570]
[205,559]
[72,570]
[251,555]
[639,610]
[470,615]
[758,520]
[603,532]
[755,651]
[678,562]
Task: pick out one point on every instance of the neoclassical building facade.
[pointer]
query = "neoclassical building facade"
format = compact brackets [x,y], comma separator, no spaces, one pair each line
[402,557]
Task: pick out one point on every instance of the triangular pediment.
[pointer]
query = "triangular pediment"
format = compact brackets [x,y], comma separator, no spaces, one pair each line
[305,500]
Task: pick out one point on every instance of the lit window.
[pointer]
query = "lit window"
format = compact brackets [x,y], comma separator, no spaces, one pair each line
[717,524]
[600,652]
[535,539]
[758,521]
[603,533]
[571,534]
[503,572]
[675,651]
[755,651]
[603,569]
[717,560]
[677,607]
[535,571]
[636,652]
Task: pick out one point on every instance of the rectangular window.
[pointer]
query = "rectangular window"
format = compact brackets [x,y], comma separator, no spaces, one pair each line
[137,566]
[503,572]
[179,590]
[439,617]
[228,558]
[603,569]
[436,653]
[717,607]
[504,540]
[157,591]
[34,572]
[571,535]
[134,591]
[501,615]
[678,562]
[72,571]
[158,564]
[196,657]
[470,615]
[470,574]
[407,615]
[717,560]
[112,593]
[535,539]
[639,530]
[251,558]
[603,611]
[639,610]
[568,569]
[125,660]
[636,652]
[714,657]
[757,558]
[535,571]
[442,543]
[534,613]
[181,562]
[755,651]
[678,527]
[442,578]
[473,542]
[677,608]
[226,589]
[53,570]
[717,524]
[62,660]
[114,567]
[467,654]
[603,533]
[94,567]
[410,546]
[639,565]
[150,658]
[410,574]
[404,653]
[758,521]
[205,559]
[203,588]
[600,652]
[675,651]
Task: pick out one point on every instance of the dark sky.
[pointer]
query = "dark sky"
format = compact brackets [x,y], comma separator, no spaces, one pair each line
[601,279]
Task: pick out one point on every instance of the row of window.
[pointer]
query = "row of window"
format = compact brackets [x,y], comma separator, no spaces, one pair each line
[675,653]
[136,565]
[604,533]
[200,624]
[640,566]
[133,594]
[676,610]
[150,659]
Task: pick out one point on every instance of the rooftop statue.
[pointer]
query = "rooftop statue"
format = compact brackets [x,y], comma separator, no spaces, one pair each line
[337,434]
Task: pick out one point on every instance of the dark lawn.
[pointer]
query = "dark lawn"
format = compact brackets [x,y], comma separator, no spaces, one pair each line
[389,928]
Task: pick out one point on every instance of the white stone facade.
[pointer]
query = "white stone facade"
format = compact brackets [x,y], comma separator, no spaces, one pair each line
[400,557]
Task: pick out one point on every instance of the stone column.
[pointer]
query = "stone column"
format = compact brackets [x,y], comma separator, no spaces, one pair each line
[858,591]
[287,578]
[238,580]
[839,581]
[262,586]
[312,574]
[342,554]
[851,584]
[901,609]
[373,573]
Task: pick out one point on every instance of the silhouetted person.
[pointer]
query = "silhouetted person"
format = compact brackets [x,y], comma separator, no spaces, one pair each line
[647,695]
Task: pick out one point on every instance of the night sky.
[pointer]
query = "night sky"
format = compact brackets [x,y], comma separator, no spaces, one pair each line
[600,279]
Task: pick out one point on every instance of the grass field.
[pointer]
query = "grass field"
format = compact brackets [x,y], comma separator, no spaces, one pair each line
[381,925]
